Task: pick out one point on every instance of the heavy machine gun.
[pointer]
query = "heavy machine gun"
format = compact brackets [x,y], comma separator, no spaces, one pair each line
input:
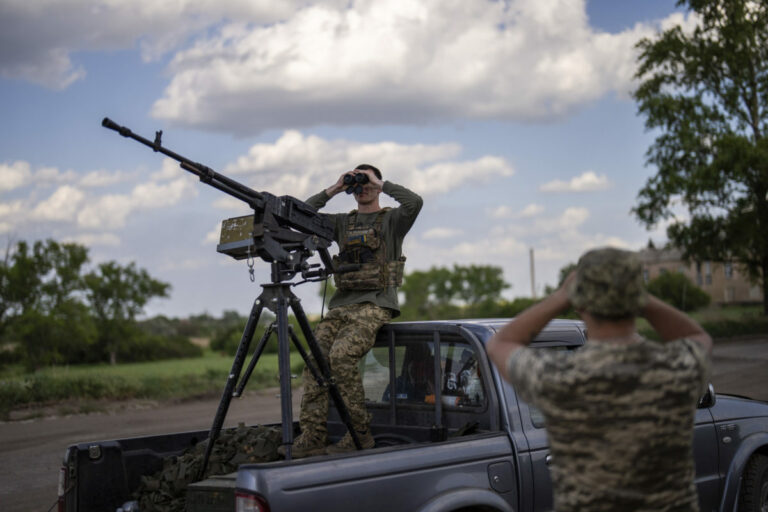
[284,232]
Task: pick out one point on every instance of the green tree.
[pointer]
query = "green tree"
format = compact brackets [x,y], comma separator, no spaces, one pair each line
[678,290]
[41,301]
[117,295]
[706,95]
[441,292]
[61,334]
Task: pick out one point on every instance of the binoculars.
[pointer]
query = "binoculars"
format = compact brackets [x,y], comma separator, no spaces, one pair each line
[355,182]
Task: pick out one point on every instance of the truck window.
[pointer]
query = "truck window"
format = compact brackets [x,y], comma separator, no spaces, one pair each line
[461,383]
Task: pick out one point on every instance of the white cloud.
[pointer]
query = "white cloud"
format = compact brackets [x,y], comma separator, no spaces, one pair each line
[111,211]
[213,236]
[505,212]
[14,175]
[585,182]
[301,165]
[62,205]
[434,59]
[38,37]
[170,170]
[570,219]
[93,240]
[438,233]
[531,210]
[20,174]
[8,209]
[257,64]
[481,250]
[230,203]
[52,175]
[103,178]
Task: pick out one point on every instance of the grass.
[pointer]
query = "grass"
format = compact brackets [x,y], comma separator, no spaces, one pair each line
[156,380]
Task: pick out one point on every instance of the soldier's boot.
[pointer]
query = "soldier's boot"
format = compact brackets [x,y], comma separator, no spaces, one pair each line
[346,444]
[305,445]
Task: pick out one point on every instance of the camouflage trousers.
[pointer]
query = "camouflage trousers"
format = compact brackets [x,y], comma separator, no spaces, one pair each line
[345,336]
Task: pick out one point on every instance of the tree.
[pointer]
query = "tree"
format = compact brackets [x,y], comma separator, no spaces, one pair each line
[41,301]
[678,290]
[117,295]
[441,292]
[706,94]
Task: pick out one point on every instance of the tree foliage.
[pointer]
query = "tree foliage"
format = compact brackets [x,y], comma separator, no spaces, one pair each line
[705,92]
[441,292]
[40,301]
[117,294]
[54,312]
[678,290]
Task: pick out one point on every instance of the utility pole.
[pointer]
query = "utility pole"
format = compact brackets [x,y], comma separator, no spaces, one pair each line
[533,280]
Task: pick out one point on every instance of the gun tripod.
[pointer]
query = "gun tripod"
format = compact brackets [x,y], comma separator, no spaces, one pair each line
[278,298]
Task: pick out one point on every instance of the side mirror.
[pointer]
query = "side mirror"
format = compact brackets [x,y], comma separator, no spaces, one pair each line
[708,399]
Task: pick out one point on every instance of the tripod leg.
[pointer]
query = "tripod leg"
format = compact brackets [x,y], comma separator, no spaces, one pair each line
[255,359]
[234,374]
[284,362]
[333,391]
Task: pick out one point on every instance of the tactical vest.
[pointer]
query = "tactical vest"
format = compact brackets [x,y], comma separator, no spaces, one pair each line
[365,246]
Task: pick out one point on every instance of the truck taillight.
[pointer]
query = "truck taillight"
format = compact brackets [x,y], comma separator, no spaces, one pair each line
[247,502]
[62,489]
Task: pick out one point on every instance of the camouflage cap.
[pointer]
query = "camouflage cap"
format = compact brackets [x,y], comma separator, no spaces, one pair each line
[609,283]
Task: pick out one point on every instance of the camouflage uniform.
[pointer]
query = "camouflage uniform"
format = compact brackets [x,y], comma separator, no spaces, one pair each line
[619,416]
[345,335]
[349,329]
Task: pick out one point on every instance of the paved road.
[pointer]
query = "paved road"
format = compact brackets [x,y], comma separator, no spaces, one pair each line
[31,451]
[740,367]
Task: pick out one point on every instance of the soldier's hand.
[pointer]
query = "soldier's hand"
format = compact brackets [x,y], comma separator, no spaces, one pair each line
[563,291]
[336,187]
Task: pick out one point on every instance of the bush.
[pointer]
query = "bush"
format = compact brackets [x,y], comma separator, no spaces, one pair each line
[676,289]
[226,339]
[147,347]
[742,327]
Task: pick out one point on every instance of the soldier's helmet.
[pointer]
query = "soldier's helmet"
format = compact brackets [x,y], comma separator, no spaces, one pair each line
[609,283]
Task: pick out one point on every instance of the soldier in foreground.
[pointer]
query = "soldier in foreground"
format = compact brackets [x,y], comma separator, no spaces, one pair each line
[365,300]
[620,410]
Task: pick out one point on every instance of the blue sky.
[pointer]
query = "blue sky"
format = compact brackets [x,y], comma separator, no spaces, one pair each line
[512,119]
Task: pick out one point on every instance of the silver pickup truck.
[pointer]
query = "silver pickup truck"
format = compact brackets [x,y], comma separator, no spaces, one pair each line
[466,444]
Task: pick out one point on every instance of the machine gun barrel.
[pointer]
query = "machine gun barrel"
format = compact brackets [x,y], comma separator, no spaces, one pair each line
[206,174]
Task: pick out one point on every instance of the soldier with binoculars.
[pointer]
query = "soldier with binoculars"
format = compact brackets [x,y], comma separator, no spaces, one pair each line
[372,238]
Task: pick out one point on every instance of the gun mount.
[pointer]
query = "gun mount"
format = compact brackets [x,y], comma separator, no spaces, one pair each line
[284,232]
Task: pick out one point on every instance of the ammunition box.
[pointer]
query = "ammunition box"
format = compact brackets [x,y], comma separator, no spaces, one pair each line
[236,238]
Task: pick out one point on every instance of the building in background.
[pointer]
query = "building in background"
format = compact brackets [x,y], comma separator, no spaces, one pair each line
[724,282]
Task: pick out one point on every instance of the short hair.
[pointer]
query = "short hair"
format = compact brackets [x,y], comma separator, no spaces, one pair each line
[368,167]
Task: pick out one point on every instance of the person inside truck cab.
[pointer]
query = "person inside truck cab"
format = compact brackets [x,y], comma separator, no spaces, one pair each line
[365,299]
[417,379]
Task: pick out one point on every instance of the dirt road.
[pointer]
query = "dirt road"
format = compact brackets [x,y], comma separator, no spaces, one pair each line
[31,451]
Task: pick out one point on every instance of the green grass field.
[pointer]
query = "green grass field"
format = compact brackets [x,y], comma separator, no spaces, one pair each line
[159,380]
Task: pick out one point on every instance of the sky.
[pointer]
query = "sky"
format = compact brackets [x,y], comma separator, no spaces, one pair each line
[512,119]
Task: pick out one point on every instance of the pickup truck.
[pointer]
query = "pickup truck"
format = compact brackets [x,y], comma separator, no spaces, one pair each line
[468,443]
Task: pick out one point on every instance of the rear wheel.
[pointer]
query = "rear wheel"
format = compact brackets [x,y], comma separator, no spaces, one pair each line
[754,485]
